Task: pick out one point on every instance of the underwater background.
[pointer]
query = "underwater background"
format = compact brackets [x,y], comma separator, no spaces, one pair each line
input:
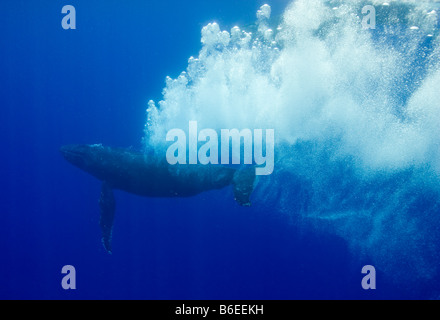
[356,116]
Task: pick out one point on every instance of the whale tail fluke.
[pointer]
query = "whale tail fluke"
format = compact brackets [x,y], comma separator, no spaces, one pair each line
[243,183]
[107,205]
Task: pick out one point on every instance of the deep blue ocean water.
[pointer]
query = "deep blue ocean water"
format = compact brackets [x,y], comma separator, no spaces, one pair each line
[92,85]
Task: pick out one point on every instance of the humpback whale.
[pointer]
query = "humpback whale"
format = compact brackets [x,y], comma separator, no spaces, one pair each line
[140,174]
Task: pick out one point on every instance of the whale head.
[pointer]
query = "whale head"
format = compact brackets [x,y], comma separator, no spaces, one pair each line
[88,157]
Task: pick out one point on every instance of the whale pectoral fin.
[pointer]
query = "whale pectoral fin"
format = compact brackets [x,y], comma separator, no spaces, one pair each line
[107,205]
[243,182]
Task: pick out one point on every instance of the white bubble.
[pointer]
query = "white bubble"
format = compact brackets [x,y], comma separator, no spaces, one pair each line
[268,34]
[318,79]
[264,12]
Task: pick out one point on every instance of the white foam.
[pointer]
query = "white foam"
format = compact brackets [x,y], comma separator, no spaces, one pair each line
[264,12]
[320,78]
[315,87]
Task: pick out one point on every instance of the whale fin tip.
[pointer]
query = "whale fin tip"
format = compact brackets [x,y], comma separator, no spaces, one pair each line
[243,182]
[107,205]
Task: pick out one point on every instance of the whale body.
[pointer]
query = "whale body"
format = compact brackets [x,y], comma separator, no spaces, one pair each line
[139,174]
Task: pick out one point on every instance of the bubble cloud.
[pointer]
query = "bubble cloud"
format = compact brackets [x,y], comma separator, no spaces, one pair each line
[356,115]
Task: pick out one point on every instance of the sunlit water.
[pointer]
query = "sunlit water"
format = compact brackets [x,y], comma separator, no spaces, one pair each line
[356,115]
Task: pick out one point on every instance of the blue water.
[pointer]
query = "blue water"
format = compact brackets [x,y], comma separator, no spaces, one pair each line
[339,198]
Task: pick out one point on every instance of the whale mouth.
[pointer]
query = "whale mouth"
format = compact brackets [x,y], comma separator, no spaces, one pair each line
[73,153]
[70,150]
